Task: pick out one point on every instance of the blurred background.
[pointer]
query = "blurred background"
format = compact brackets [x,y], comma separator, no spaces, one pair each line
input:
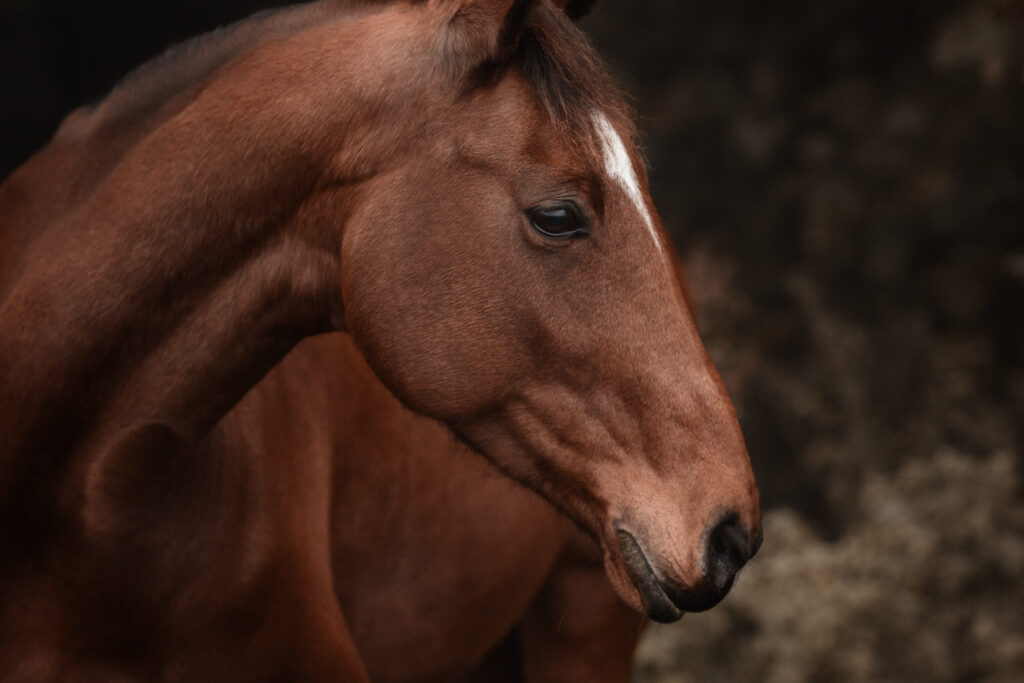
[845,182]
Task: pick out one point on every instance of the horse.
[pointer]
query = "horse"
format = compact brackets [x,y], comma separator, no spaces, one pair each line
[452,183]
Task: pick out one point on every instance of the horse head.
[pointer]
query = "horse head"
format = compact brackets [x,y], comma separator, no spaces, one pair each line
[503,270]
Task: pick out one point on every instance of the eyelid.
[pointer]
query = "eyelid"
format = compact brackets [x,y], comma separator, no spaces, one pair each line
[562,236]
[579,216]
[570,205]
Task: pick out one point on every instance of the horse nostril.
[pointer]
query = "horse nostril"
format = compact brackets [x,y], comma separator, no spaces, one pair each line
[729,548]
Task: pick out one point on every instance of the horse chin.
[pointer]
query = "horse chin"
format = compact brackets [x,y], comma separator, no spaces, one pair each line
[622,582]
[649,596]
[637,585]
[640,586]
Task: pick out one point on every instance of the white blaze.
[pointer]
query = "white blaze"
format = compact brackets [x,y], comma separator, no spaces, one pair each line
[620,169]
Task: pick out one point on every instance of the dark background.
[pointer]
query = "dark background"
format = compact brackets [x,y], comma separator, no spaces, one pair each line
[845,181]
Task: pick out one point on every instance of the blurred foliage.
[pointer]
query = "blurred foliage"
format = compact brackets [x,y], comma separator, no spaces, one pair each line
[845,180]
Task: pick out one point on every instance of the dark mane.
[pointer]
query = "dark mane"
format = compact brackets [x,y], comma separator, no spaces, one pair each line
[563,69]
[186,62]
[184,67]
[557,60]
[196,57]
[568,75]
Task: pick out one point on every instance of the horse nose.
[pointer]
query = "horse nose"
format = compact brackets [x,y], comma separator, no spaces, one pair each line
[729,547]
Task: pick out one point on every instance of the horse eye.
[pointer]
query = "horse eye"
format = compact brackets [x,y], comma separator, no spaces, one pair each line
[560,222]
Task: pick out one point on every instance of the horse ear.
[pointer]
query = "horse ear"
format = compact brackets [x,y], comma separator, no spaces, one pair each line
[576,8]
[484,30]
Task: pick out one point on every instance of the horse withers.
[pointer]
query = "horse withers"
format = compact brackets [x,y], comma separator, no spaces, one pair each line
[452,182]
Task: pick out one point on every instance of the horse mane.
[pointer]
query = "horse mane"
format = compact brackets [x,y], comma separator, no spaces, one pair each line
[183,63]
[565,72]
[555,58]
[184,66]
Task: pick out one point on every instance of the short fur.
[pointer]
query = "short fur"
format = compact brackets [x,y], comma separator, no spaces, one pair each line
[323,170]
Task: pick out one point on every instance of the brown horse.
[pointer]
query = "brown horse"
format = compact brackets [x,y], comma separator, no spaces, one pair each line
[453,183]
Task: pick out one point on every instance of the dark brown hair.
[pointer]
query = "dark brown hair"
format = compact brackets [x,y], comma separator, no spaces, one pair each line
[565,72]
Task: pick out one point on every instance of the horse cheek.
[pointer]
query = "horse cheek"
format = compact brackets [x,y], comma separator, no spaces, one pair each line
[418,308]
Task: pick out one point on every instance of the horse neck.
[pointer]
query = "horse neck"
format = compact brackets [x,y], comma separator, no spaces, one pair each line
[165,291]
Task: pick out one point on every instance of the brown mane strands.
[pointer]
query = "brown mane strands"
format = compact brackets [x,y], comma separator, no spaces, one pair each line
[569,77]
[564,71]
[555,57]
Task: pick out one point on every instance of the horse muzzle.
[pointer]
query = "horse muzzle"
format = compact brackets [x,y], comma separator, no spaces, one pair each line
[728,547]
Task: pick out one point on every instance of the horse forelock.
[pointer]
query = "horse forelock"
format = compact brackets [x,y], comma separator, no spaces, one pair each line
[566,75]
